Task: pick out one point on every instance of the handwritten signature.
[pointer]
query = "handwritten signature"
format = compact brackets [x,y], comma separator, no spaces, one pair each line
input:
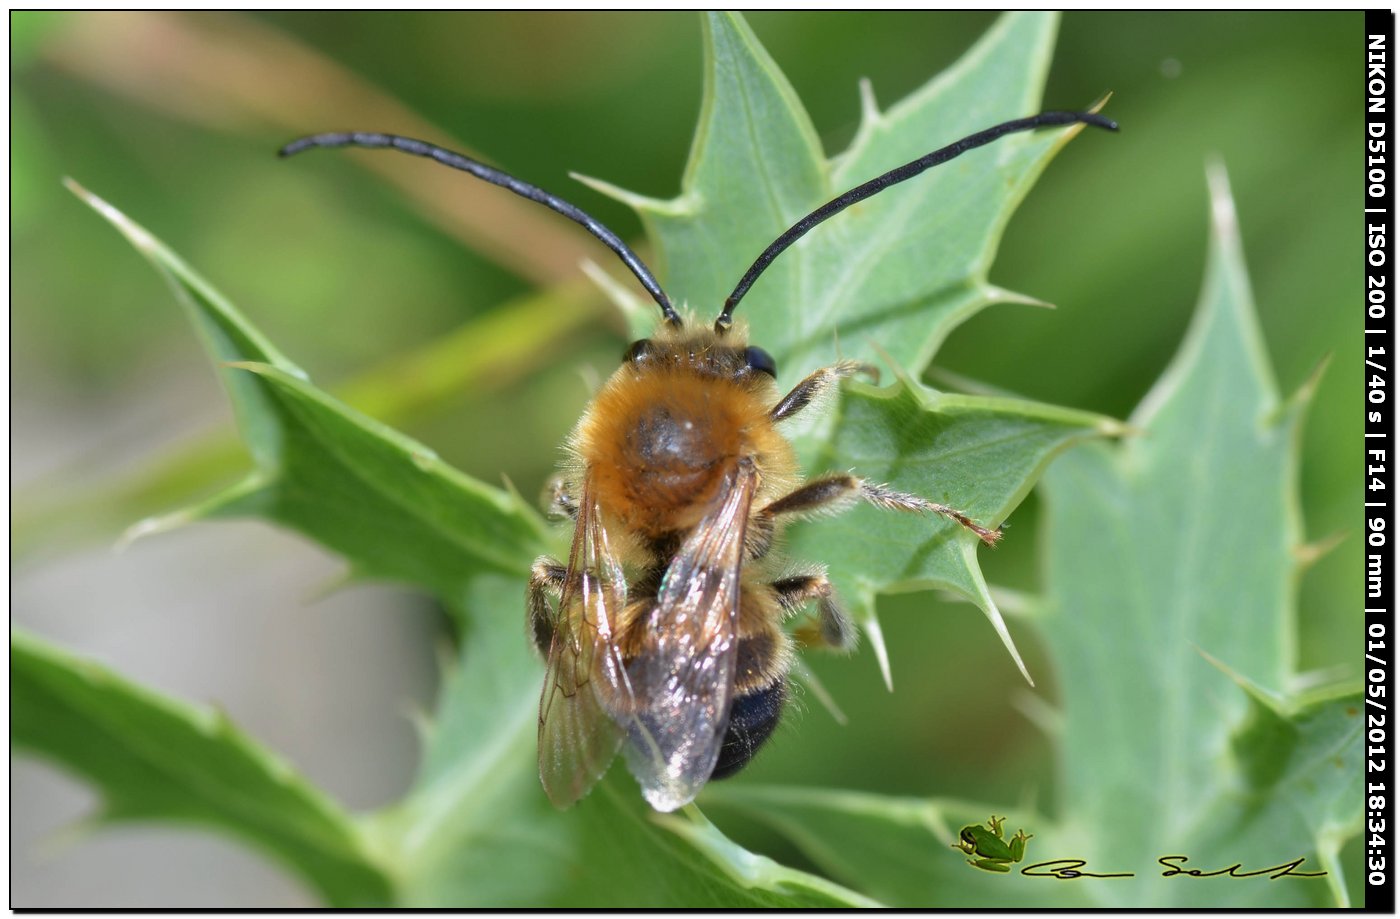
[1070,869]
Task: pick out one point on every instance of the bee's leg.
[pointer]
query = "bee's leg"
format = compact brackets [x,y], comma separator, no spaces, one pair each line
[558,503]
[834,627]
[546,580]
[888,498]
[837,492]
[817,385]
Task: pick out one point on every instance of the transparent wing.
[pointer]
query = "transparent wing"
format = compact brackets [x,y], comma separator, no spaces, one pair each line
[584,676]
[683,673]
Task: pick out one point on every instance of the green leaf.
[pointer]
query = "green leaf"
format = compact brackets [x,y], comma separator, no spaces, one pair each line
[154,758]
[910,265]
[385,502]
[1172,569]
[897,272]
[382,500]
[1177,549]
[976,453]
[1289,751]
[1303,772]
[755,167]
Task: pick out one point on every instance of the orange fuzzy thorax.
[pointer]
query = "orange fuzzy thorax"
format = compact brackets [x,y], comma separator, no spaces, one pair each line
[663,433]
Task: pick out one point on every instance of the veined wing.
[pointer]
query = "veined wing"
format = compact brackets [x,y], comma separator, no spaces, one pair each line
[683,674]
[584,675]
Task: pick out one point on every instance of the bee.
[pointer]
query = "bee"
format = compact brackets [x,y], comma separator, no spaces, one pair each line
[663,633]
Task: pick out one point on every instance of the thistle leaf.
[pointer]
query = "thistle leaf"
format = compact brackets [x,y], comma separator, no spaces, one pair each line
[154,758]
[1165,554]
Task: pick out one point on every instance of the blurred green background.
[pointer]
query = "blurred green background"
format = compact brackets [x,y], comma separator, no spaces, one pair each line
[354,264]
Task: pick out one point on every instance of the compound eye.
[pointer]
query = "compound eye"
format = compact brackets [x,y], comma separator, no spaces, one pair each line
[760,360]
[637,351]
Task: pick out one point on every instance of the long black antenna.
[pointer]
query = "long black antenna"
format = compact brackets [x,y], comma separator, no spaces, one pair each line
[894,177]
[495,177]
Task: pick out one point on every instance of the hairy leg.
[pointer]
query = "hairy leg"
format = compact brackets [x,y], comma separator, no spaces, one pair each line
[835,493]
[817,385]
[834,626]
[546,582]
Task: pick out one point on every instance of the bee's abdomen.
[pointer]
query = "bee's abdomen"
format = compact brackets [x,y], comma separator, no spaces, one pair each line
[752,720]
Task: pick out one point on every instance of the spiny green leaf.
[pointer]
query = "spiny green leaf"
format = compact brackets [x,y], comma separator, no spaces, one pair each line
[1288,755]
[154,758]
[1179,545]
[908,266]
[897,272]
[382,500]
[386,503]
[755,168]
[976,453]
[1302,769]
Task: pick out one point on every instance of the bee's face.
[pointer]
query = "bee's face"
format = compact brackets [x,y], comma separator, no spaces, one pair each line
[702,352]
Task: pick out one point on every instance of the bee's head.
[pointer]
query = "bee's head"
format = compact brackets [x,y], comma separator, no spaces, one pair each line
[691,347]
